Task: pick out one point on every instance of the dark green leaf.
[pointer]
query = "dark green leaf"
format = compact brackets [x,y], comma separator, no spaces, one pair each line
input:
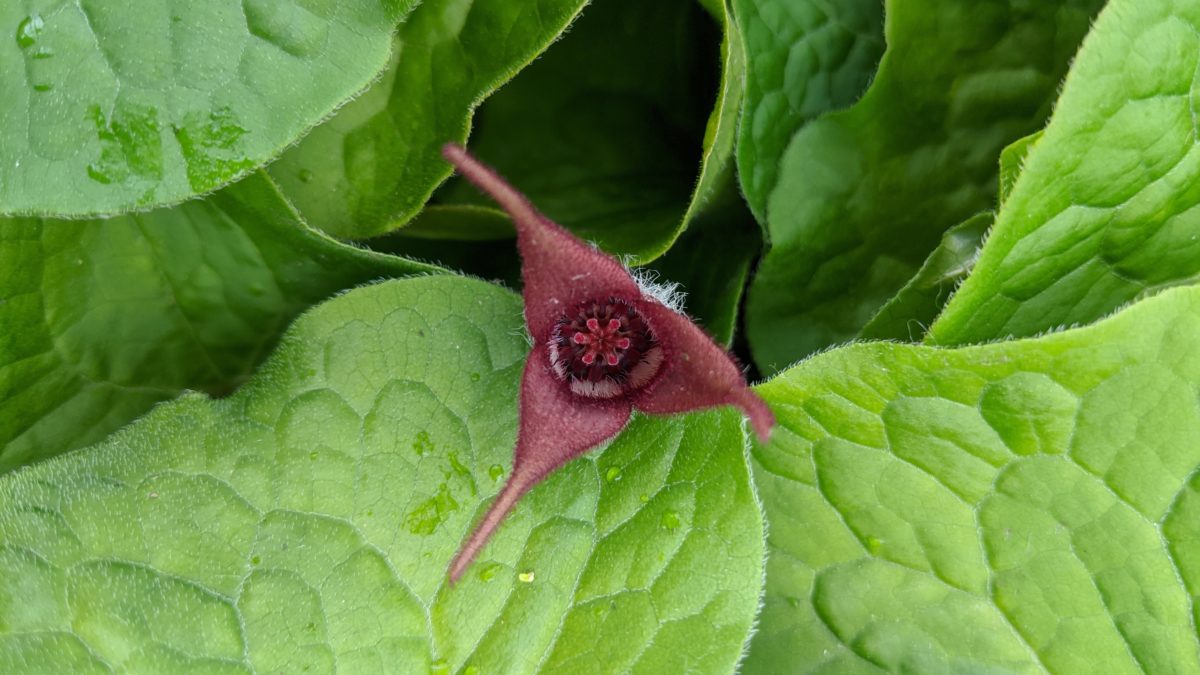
[908,315]
[865,194]
[104,318]
[605,132]
[371,168]
[804,58]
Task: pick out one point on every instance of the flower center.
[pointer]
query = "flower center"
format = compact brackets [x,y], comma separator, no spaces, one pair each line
[603,349]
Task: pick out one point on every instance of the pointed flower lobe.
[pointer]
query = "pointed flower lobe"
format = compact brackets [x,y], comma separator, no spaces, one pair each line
[601,349]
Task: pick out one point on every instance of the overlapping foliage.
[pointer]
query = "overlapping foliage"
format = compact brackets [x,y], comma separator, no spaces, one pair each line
[235,443]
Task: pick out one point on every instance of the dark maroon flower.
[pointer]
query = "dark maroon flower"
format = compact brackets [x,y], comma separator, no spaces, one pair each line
[601,349]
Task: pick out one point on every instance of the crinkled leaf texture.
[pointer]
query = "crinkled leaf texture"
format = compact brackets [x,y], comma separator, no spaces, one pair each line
[1105,210]
[864,194]
[1017,507]
[305,523]
[111,106]
[101,319]
[804,58]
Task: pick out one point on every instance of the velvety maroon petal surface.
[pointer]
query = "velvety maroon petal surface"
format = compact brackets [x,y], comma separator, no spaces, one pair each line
[559,270]
[555,427]
[698,373]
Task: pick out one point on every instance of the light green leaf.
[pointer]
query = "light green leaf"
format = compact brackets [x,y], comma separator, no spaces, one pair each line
[305,523]
[104,318]
[804,58]
[111,106]
[1027,506]
[866,193]
[908,315]
[606,132]
[372,167]
[1105,209]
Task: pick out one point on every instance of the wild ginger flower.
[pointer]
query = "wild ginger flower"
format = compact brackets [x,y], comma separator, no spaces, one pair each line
[602,348]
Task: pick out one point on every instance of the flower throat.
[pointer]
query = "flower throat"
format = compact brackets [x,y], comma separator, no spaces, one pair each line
[604,349]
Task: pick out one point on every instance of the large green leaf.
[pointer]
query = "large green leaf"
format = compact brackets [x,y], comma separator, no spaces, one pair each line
[866,193]
[103,318]
[110,106]
[305,523]
[804,58]
[1028,506]
[607,132]
[1105,210]
[371,167]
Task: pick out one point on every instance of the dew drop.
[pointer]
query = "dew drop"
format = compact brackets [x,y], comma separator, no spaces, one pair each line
[496,472]
[670,520]
[613,474]
[439,667]
[313,455]
[430,514]
[474,377]
[256,560]
[29,30]
[423,445]
[874,545]
[305,175]
[489,570]
[645,498]
[526,577]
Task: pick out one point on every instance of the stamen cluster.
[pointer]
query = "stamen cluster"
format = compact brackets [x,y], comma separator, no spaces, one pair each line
[604,349]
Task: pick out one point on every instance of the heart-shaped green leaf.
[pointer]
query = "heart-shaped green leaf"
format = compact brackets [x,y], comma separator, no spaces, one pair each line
[866,193]
[1027,506]
[104,318]
[111,106]
[1105,210]
[306,522]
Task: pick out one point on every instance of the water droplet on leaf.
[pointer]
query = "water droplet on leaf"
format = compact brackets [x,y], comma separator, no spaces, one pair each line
[29,30]
[526,577]
[670,520]
[489,570]
[425,519]
[613,474]
[496,472]
[423,445]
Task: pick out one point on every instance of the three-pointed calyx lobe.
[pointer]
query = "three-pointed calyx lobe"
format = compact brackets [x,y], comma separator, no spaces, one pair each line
[601,348]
